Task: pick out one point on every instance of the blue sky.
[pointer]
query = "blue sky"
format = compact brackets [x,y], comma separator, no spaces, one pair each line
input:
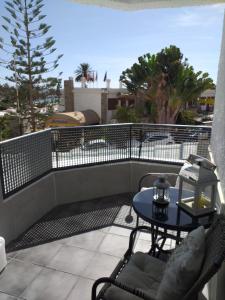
[111,40]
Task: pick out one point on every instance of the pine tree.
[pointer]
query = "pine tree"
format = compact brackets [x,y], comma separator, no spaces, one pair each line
[28,49]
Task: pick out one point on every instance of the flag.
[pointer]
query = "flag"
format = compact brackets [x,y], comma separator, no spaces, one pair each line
[105,77]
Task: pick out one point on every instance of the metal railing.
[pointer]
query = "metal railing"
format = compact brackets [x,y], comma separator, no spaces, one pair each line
[23,160]
[83,146]
[27,158]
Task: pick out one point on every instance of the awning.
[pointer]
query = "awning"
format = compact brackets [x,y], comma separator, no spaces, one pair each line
[142,4]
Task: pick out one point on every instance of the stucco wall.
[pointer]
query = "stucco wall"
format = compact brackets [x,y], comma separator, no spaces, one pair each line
[103,180]
[91,98]
[23,209]
[85,98]
[216,286]
[218,129]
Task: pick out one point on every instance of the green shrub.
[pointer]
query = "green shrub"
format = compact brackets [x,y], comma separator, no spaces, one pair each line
[187,117]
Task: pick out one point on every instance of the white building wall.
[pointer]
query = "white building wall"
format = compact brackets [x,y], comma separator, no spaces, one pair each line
[87,98]
[90,98]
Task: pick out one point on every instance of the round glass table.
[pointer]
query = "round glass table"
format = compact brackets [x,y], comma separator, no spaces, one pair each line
[175,219]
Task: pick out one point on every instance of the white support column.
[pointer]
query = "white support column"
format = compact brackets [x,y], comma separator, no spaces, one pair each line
[216,285]
[218,130]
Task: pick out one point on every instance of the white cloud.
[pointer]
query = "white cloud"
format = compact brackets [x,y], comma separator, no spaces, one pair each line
[202,17]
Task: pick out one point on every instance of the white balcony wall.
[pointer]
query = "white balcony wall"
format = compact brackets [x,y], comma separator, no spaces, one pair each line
[103,180]
[218,130]
[217,288]
[21,210]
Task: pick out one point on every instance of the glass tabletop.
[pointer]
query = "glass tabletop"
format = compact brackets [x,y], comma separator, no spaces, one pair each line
[176,218]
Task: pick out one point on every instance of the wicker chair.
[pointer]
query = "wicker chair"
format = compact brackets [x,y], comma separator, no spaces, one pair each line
[147,179]
[214,256]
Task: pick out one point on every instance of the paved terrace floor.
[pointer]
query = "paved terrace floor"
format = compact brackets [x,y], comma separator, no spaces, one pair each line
[61,255]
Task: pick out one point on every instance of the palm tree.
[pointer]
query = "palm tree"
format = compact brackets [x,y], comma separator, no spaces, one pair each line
[84,71]
[167,81]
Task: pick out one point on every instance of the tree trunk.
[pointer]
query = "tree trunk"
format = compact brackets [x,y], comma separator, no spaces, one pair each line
[161,102]
[30,83]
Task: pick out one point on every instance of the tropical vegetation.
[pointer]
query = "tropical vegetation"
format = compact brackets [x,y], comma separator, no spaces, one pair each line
[164,82]
[84,71]
[127,115]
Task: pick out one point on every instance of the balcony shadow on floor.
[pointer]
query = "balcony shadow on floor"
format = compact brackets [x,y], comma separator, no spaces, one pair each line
[76,218]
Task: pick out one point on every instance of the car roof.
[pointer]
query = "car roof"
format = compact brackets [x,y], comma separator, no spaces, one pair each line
[96,141]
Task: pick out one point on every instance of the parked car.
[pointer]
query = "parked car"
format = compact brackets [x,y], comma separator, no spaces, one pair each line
[95,144]
[158,138]
[191,135]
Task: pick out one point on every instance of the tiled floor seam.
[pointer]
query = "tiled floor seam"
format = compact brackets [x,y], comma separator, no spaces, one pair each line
[79,277]
[67,296]
[20,295]
[16,297]
[60,271]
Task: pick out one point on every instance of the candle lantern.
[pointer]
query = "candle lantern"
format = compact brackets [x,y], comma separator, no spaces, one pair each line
[161,197]
[199,174]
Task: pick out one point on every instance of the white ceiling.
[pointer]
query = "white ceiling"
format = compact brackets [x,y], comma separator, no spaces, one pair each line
[142,4]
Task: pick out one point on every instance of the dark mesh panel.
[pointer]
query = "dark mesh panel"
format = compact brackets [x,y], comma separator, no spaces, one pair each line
[90,145]
[99,144]
[171,143]
[25,159]
[71,219]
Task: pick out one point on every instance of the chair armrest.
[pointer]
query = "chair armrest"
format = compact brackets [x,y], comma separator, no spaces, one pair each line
[154,174]
[133,291]
[133,236]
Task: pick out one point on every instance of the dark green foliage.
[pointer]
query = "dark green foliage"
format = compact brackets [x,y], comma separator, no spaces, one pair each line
[7,96]
[127,115]
[187,117]
[84,70]
[167,81]
[5,129]
[28,46]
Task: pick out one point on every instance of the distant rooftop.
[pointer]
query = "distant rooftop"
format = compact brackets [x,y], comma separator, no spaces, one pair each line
[208,94]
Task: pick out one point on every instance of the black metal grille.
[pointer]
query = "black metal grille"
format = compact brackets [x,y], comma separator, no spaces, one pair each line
[172,143]
[24,159]
[90,145]
[83,146]
[27,158]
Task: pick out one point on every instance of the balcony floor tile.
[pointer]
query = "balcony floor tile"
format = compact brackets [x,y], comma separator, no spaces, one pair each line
[56,265]
[17,276]
[40,255]
[101,265]
[9,297]
[51,285]
[82,290]
[115,245]
[71,259]
[90,240]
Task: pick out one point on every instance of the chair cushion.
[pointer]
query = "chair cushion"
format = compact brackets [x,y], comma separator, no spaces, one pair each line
[142,272]
[183,267]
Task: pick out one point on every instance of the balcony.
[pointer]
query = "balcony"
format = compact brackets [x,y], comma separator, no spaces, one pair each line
[65,199]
